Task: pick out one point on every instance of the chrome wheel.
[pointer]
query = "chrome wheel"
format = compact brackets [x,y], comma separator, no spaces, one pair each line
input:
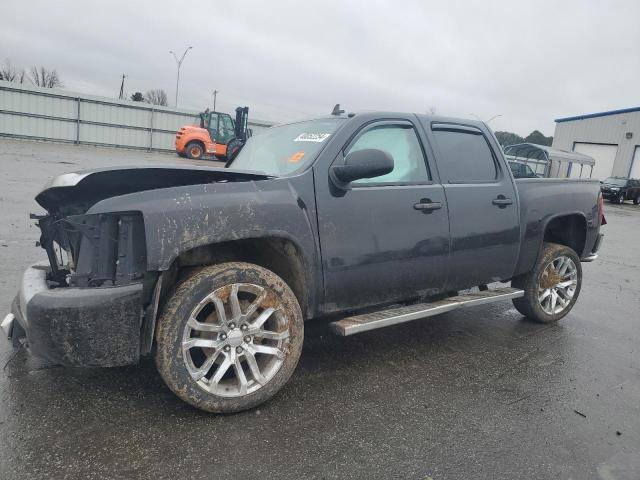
[235,340]
[557,285]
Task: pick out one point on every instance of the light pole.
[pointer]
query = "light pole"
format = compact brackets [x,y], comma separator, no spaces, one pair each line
[215,94]
[486,121]
[179,64]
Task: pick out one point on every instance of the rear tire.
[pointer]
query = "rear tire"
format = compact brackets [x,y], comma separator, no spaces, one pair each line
[194,150]
[229,337]
[552,287]
[636,200]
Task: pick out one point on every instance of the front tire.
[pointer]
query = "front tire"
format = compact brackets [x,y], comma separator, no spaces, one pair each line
[229,337]
[552,287]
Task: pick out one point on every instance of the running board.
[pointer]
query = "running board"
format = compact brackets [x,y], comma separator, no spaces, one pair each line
[392,316]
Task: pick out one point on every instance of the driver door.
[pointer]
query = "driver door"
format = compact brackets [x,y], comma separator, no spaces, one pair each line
[213,128]
[225,129]
[378,245]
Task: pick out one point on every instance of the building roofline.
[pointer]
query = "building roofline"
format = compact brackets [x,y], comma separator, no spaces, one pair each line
[598,114]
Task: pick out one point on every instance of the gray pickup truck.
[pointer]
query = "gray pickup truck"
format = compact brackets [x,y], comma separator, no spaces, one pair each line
[368,220]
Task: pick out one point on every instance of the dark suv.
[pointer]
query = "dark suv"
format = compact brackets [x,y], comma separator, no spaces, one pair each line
[619,189]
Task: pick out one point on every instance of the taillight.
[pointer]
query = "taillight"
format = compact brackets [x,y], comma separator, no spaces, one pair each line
[603,221]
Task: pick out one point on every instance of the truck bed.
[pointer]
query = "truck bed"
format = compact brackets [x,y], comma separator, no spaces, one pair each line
[543,199]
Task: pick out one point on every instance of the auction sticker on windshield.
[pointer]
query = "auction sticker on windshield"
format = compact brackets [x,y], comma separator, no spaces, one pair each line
[296,157]
[312,137]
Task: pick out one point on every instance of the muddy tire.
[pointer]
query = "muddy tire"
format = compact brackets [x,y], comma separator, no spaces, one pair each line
[552,287]
[229,337]
[194,150]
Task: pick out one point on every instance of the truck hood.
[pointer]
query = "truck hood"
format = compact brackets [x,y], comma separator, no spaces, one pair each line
[90,186]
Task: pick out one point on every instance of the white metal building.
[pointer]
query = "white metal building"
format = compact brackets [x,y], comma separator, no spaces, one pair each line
[611,138]
[63,116]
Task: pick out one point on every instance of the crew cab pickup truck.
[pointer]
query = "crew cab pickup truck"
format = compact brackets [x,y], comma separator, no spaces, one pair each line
[369,220]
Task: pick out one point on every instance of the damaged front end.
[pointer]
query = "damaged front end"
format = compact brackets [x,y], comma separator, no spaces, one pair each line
[86,306]
[93,250]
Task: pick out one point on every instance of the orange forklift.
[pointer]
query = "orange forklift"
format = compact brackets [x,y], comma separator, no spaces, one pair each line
[216,135]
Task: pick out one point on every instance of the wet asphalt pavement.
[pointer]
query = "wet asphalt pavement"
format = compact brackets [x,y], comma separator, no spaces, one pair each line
[478,393]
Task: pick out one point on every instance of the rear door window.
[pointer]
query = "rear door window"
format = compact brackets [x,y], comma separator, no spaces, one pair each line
[465,156]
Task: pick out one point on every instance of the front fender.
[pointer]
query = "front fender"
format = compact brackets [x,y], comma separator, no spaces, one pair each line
[180,219]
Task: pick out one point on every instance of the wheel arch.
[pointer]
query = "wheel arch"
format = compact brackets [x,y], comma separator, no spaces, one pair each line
[568,229]
[280,254]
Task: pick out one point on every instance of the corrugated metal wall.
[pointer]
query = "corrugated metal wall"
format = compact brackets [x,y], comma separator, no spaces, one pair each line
[58,115]
[609,129]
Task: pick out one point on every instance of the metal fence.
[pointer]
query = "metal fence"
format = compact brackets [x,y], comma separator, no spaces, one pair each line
[57,115]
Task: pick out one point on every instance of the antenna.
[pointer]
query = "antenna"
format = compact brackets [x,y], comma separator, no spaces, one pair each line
[336,110]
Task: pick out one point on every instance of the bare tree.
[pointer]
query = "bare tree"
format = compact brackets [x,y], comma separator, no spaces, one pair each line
[156,97]
[432,110]
[43,77]
[10,74]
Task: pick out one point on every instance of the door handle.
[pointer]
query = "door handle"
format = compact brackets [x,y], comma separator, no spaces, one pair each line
[426,205]
[502,201]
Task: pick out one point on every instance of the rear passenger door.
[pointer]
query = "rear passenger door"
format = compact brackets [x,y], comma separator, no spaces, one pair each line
[483,208]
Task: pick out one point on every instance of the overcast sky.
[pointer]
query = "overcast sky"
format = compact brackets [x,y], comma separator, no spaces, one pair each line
[528,61]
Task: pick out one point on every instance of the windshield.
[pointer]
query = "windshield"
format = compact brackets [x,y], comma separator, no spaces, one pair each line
[621,182]
[284,149]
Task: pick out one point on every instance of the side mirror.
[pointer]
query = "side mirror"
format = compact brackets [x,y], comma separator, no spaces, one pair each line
[367,163]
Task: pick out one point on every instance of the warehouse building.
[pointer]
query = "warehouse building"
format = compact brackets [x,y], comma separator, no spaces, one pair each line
[611,138]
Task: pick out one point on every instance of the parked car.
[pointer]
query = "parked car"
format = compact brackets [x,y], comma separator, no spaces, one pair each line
[371,219]
[619,189]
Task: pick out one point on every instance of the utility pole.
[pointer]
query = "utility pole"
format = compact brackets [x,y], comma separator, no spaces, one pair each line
[215,94]
[179,64]
[122,87]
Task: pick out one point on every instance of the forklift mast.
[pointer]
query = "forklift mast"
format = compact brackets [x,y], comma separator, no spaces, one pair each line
[242,123]
[204,118]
